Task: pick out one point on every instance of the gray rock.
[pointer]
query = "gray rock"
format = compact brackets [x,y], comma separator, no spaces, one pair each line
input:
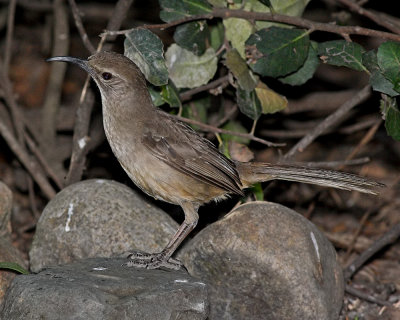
[265,261]
[8,253]
[101,288]
[97,218]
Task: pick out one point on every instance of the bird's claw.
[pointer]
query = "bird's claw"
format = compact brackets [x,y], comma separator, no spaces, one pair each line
[152,261]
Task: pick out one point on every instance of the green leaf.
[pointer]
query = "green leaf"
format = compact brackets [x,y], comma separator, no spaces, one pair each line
[178,9]
[389,62]
[192,36]
[237,31]
[13,266]
[248,103]
[276,52]
[267,3]
[377,79]
[240,70]
[155,96]
[170,95]
[217,36]
[196,110]
[271,101]
[391,114]
[305,72]
[342,53]
[218,3]
[236,127]
[188,70]
[258,191]
[292,8]
[146,49]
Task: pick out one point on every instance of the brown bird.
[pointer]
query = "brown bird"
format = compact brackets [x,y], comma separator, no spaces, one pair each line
[170,161]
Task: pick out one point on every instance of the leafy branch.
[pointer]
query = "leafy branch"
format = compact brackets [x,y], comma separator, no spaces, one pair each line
[225,13]
[253,47]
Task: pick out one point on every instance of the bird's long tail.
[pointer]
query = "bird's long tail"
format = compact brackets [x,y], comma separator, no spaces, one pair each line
[253,172]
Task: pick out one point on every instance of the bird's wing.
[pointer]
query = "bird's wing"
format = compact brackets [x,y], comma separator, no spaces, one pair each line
[183,149]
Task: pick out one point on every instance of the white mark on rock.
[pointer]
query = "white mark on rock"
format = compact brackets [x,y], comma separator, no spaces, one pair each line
[181,280]
[99,268]
[82,143]
[199,307]
[100,181]
[314,241]
[70,213]
[200,283]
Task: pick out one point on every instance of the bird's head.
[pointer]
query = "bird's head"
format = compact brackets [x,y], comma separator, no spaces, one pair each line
[114,74]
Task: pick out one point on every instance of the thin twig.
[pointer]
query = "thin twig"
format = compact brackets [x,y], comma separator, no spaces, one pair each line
[80,138]
[320,101]
[209,128]
[9,35]
[42,160]
[367,138]
[389,237]
[17,144]
[79,25]
[359,294]
[299,133]
[354,6]
[329,122]
[37,5]
[263,16]
[57,73]
[353,241]
[11,103]
[364,124]
[27,161]
[211,85]
[227,116]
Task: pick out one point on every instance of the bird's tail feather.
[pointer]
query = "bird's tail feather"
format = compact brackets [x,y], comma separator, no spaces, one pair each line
[253,172]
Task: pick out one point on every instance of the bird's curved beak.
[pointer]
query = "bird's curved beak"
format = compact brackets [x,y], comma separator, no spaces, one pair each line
[80,62]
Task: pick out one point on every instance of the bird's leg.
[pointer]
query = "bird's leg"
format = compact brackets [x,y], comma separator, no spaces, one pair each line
[163,258]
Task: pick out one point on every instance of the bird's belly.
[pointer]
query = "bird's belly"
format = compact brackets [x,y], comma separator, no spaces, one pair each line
[163,182]
[155,177]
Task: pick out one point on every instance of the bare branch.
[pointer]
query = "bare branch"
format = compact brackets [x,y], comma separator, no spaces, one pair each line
[28,162]
[329,122]
[389,237]
[262,16]
[79,25]
[209,128]
[9,35]
[57,73]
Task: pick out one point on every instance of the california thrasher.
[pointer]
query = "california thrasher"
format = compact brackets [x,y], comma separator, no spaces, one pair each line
[170,161]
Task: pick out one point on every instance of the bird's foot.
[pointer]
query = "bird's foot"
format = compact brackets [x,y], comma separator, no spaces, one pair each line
[152,261]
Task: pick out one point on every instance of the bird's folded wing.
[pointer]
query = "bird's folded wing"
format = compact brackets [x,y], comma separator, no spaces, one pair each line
[183,149]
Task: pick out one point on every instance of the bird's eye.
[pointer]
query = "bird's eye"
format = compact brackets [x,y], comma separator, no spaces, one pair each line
[106,75]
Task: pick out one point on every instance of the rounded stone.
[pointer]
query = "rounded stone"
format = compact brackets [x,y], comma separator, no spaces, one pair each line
[265,261]
[8,253]
[98,218]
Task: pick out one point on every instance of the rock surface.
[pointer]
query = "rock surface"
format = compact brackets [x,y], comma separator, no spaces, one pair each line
[97,218]
[8,253]
[101,288]
[265,261]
